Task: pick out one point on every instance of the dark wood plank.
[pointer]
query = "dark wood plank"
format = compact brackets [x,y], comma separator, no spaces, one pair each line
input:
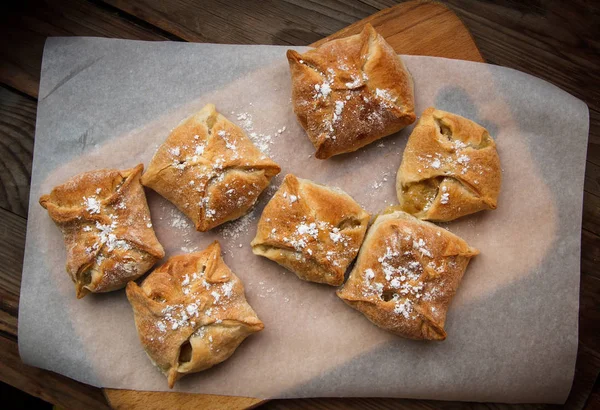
[12,245]
[593,402]
[591,212]
[248,22]
[590,254]
[48,386]
[592,179]
[589,313]
[17,126]
[551,39]
[555,40]
[28,23]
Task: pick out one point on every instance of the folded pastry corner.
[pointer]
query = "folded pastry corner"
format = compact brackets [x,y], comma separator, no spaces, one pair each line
[105,221]
[450,168]
[313,230]
[209,169]
[406,274]
[191,313]
[350,92]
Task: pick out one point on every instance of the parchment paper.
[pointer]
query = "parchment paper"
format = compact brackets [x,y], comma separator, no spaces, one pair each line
[512,327]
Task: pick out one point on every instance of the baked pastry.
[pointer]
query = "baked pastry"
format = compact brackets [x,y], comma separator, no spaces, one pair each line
[406,274]
[106,224]
[313,230]
[209,169]
[191,313]
[450,168]
[350,92]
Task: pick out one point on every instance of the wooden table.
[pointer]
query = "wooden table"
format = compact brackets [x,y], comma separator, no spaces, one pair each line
[558,41]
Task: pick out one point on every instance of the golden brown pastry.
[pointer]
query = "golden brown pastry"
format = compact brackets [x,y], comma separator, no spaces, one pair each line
[191,313]
[313,230]
[450,168]
[350,92]
[106,224]
[209,169]
[406,274]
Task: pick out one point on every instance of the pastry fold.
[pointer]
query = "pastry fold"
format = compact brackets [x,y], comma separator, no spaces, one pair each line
[406,274]
[209,169]
[450,168]
[313,230]
[191,313]
[350,92]
[105,221]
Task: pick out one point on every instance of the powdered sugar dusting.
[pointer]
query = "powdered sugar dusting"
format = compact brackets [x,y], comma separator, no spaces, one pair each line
[191,310]
[379,183]
[339,106]
[445,196]
[92,205]
[239,227]
[399,277]
[107,236]
[322,90]
[386,98]
[260,140]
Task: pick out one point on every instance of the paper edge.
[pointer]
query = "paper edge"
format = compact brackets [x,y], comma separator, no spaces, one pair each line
[55,40]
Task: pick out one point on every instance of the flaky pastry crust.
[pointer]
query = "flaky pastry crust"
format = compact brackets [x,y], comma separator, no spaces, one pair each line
[209,169]
[406,274]
[107,230]
[450,168]
[191,313]
[350,92]
[313,230]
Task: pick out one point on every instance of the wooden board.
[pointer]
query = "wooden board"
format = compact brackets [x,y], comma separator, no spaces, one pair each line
[410,28]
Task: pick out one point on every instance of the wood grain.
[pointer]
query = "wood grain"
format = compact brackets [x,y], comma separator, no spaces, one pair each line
[248,22]
[46,385]
[543,38]
[17,125]
[421,29]
[146,400]
[28,23]
[11,253]
[556,40]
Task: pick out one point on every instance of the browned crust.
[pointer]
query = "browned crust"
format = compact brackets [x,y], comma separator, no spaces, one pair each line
[313,230]
[209,169]
[215,325]
[406,274]
[448,154]
[364,74]
[121,210]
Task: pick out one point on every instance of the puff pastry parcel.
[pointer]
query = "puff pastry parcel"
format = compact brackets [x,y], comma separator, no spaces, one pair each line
[313,230]
[191,313]
[406,274]
[450,168]
[106,224]
[350,92]
[209,169]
